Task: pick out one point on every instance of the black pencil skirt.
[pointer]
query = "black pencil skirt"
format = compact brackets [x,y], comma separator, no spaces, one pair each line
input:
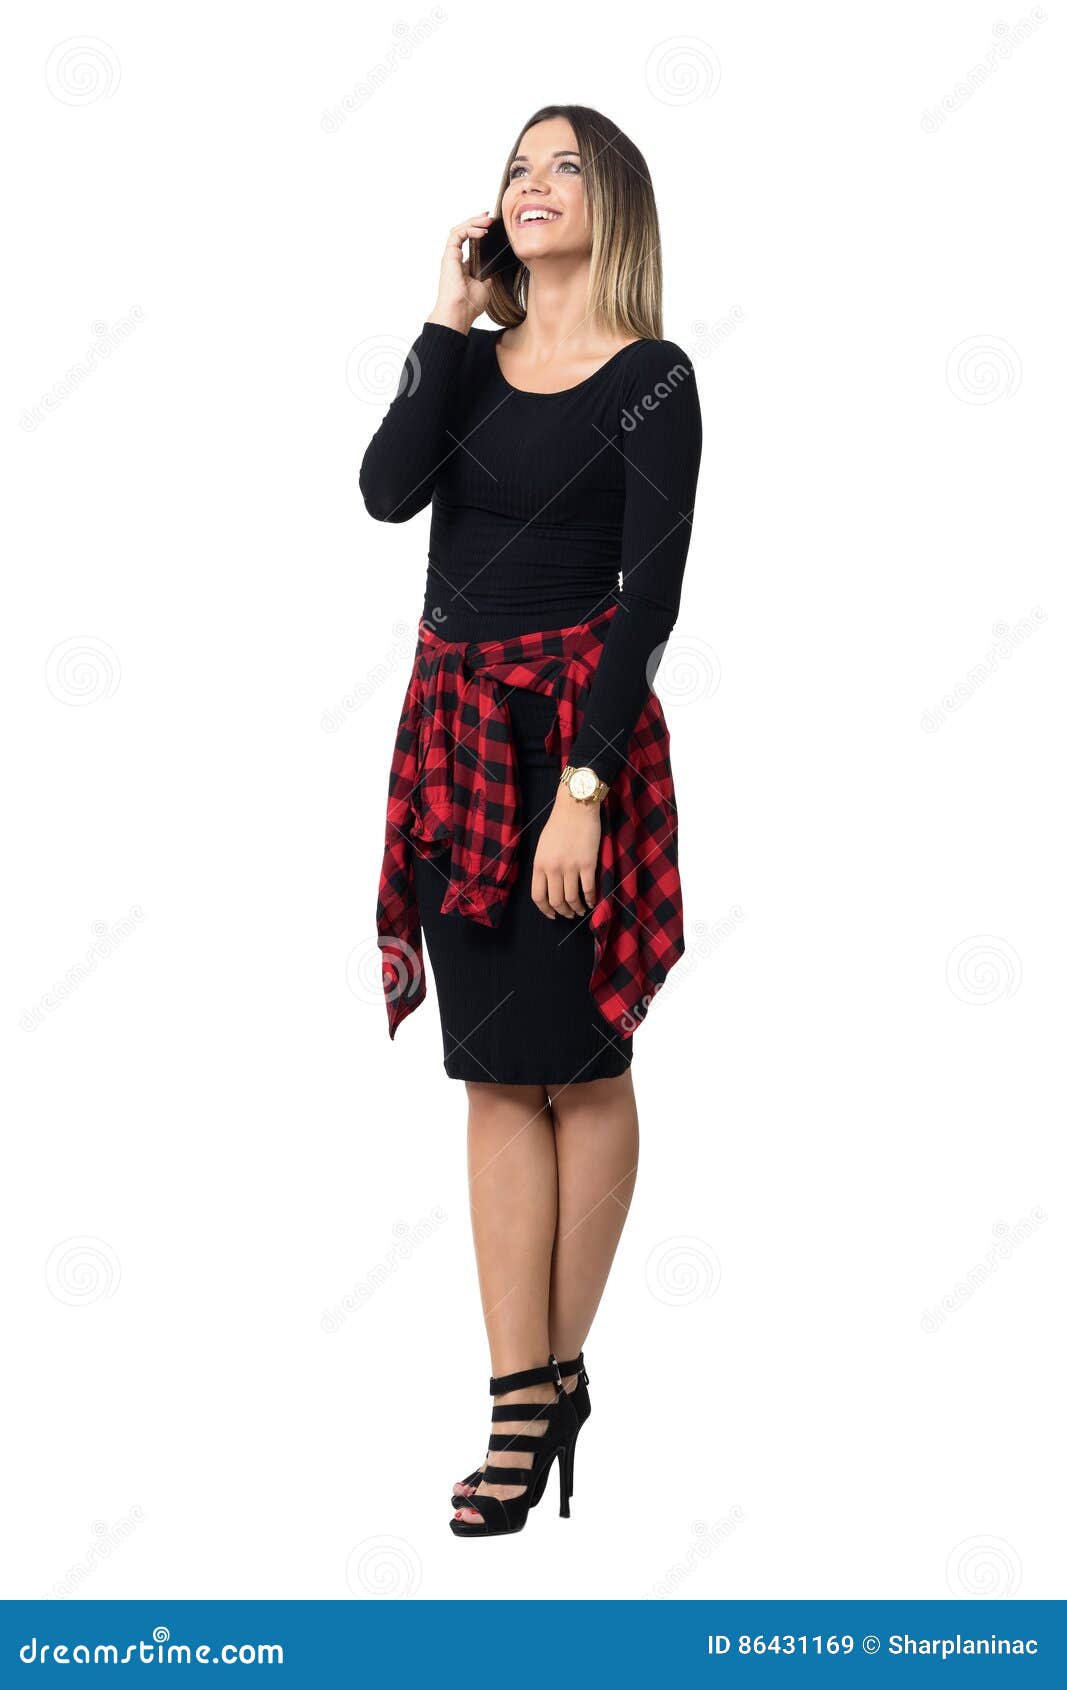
[514,1000]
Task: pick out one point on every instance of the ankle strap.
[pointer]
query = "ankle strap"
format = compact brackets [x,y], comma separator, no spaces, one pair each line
[575,1366]
[548,1375]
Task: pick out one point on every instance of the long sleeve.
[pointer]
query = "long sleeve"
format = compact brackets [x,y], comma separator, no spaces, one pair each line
[660,439]
[399,466]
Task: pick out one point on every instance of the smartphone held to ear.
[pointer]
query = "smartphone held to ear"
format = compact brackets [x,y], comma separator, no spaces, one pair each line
[493,256]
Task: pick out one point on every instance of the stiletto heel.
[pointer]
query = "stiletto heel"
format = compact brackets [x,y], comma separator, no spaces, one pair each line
[566,1480]
[570,1464]
[501,1515]
[582,1409]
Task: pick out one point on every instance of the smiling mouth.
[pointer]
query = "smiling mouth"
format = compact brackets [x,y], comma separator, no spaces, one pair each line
[536,214]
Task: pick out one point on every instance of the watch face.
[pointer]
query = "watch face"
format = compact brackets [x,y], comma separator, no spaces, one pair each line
[582,783]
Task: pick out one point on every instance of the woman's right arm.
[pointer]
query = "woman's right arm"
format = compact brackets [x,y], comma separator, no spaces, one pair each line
[402,461]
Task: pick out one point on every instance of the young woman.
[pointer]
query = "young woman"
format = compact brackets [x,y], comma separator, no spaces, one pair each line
[531,828]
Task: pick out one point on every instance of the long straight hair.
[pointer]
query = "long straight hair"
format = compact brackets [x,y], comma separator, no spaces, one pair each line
[626,271]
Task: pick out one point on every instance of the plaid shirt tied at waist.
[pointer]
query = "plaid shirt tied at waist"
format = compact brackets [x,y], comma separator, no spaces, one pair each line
[454,795]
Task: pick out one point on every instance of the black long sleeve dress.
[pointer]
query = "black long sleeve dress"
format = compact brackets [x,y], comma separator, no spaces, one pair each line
[547,509]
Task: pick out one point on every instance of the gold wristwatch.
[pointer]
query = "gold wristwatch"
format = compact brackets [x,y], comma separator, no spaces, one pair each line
[584,785]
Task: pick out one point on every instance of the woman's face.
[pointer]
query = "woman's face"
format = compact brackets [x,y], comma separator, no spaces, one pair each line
[543,207]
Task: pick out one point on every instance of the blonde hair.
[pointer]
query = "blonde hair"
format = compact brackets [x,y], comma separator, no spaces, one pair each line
[626,271]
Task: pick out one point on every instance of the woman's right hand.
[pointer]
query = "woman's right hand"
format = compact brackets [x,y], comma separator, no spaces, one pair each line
[460,298]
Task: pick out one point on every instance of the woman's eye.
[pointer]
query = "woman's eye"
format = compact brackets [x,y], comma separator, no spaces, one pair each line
[568,164]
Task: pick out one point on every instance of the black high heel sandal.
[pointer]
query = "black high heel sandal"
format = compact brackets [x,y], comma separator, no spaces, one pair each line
[500,1515]
[582,1408]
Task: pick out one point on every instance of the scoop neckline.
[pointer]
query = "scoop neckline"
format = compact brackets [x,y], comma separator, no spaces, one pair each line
[555,392]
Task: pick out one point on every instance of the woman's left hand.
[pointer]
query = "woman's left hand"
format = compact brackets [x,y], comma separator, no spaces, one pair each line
[565,862]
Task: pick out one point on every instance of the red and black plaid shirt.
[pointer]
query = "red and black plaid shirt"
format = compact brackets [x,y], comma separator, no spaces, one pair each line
[454,794]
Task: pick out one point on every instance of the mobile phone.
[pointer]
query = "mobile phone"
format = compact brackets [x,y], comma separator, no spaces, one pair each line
[493,257]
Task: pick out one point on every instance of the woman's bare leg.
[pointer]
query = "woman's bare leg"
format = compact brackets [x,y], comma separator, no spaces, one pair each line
[596,1155]
[511,1154]
[550,1190]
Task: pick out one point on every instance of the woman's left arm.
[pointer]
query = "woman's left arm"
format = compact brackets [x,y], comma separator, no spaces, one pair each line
[660,438]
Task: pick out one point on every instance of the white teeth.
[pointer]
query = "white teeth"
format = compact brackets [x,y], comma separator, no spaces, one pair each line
[537,216]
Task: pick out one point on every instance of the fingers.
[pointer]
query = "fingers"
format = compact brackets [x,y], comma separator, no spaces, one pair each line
[539,893]
[472,228]
[558,891]
[588,879]
[557,896]
[572,891]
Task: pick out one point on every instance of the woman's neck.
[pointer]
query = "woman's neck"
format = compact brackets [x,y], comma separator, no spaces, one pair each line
[558,319]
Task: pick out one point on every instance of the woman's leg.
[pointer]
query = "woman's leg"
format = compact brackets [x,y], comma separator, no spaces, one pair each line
[511,1154]
[596,1155]
[550,1190]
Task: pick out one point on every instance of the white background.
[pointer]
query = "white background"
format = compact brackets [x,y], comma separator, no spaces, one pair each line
[849,1093]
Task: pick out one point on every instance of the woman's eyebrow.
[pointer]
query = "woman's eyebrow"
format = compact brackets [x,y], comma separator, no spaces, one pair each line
[564,152]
